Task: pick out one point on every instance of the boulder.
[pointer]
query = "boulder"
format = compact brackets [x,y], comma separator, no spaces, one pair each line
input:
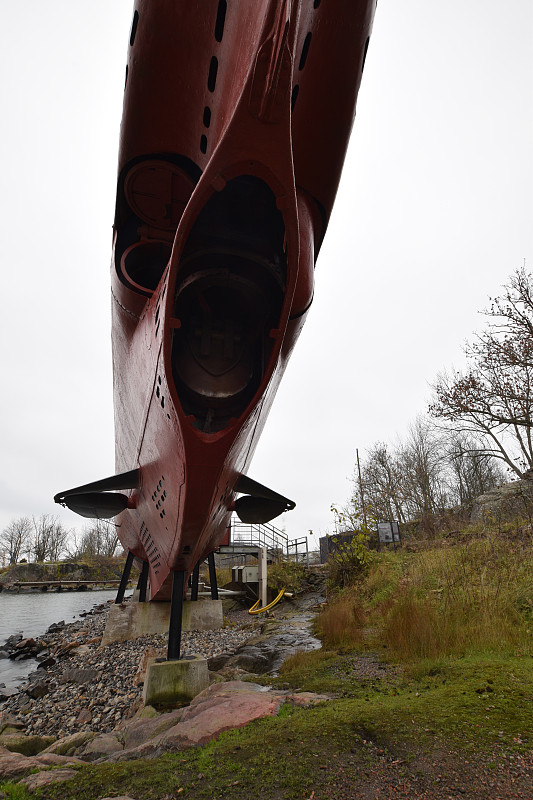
[26,745]
[511,500]
[13,765]
[26,644]
[84,717]
[38,689]
[10,724]
[306,699]
[142,729]
[70,745]
[218,708]
[256,656]
[47,661]
[79,676]
[40,779]
[103,745]
[5,694]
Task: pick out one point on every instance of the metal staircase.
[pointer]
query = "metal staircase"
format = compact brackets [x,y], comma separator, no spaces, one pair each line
[246,539]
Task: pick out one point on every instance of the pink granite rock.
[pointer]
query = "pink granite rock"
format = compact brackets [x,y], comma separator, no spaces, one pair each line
[304,699]
[40,779]
[13,765]
[142,730]
[219,708]
[103,745]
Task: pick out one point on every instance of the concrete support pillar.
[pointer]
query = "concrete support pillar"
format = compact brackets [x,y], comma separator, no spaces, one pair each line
[262,559]
[175,683]
[130,620]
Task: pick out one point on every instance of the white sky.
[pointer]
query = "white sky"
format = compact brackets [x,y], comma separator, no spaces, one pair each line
[434,212]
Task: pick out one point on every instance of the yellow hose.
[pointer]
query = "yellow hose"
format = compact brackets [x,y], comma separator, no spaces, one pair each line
[255,610]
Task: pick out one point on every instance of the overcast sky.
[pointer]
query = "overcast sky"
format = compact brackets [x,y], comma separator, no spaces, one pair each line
[434,212]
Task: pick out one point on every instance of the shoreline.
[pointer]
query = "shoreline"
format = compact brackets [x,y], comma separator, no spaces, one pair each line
[28,617]
[82,687]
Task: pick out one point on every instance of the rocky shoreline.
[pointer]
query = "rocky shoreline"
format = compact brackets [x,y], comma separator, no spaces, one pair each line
[82,687]
[84,703]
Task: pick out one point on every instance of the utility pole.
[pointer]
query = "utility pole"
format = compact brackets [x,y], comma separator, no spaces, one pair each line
[361,487]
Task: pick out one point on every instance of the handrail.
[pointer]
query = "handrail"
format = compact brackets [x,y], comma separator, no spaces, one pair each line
[264,535]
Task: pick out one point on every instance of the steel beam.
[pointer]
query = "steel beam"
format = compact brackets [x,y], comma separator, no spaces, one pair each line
[212,576]
[125,577]
[143,582]
[195,577]
[176,613]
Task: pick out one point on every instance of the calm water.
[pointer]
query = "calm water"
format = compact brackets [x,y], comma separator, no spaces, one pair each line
[32,614]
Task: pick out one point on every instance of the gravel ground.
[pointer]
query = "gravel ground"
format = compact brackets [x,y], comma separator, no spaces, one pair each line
[94,689]
[445,775]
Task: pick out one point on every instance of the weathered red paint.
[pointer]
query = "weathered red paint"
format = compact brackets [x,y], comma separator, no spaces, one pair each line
[207,101]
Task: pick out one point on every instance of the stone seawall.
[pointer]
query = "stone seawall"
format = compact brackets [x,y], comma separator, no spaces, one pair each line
[108,569]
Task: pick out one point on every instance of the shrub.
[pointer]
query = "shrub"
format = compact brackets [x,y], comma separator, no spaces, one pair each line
[349,562]
[288,574]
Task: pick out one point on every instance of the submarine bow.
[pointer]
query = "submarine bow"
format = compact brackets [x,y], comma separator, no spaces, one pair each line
[235,125]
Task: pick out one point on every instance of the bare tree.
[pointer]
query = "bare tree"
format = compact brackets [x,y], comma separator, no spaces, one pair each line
[472,471]
[14,539]
[98,539]
[432,470]
[492,401]
[421,460]
[382,483]
[50,538]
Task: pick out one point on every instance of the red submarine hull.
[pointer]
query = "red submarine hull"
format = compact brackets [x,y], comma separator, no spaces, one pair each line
[236,120]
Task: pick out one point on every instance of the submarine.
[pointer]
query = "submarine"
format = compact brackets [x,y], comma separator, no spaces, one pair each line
[236,120]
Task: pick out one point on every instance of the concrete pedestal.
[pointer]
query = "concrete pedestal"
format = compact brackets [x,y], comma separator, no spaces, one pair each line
[175,683]
[132,619]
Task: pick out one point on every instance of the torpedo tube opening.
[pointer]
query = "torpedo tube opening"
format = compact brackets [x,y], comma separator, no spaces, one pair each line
[151,196]
[143,264]
[228,301]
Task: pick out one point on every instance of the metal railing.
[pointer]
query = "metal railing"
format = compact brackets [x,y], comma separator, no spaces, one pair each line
[275,540]
[298,550]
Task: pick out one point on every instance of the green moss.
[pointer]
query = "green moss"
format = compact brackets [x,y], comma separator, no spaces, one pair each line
[469,705]
[14,791]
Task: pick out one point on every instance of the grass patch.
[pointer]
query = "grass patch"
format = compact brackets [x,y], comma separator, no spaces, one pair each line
[14,791]
[454,599]
[312,671]
[456,617]
[341,624]
[224,576]
[467,705]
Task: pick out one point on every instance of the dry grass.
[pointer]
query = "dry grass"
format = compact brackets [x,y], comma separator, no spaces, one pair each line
[341,624]
[473,596]
[223,576]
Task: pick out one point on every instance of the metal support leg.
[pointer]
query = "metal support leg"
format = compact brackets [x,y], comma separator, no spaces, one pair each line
[125,578]
[176,611]
[194,582]
[212,576]
[143,582]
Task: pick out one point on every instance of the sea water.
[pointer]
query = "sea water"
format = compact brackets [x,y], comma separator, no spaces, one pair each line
[32,613]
